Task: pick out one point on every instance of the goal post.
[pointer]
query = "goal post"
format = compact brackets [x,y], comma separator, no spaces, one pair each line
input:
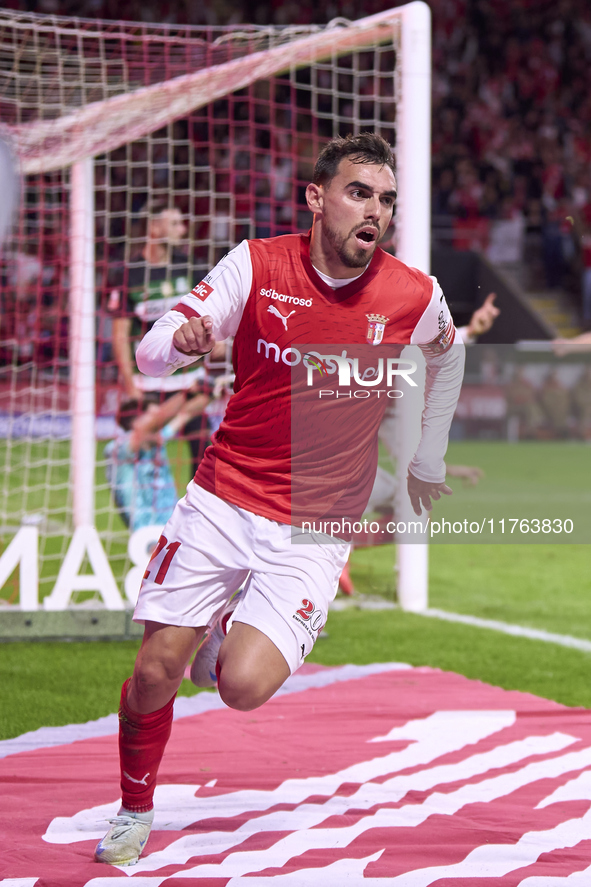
[413,162]
[82,343]
[104,117]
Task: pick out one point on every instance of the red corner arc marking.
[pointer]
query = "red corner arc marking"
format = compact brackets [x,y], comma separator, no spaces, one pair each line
[377,776]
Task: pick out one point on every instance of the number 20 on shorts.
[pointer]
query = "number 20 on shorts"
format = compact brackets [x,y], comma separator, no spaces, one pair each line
[311,615]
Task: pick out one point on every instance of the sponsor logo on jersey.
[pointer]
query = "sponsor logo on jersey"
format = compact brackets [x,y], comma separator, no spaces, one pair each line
[281,297]
[290,356]
[375,328]
[202,291]
[277,313]
[348,369]
[316,362]
[444,340]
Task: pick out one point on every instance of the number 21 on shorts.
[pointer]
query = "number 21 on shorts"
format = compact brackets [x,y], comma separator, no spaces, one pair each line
[171,550]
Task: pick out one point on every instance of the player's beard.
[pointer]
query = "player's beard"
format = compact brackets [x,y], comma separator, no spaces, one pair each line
[344,246]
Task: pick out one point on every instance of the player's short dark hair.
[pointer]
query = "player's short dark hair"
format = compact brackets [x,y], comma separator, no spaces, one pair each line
[366,147]
[129,410]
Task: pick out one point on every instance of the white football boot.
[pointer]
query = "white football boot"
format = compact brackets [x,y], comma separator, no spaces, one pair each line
[125,840]
[203,669]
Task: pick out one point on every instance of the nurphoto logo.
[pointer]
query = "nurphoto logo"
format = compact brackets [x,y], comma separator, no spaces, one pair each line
[386,371]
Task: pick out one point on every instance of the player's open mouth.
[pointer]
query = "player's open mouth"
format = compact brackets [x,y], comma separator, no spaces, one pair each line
[366,236]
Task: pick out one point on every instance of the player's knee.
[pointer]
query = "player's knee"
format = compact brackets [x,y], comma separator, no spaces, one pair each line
[242,692]
[156,672]
[238,699]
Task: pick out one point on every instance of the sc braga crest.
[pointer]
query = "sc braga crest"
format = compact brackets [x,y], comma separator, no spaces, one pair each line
[375,328]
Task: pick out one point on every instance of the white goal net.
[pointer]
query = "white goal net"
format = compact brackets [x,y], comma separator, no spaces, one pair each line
[106,119]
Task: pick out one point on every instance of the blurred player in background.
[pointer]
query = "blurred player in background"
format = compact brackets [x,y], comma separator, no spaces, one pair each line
[157,276]
[581,394]
[481,321]
[234,525]
[138,469]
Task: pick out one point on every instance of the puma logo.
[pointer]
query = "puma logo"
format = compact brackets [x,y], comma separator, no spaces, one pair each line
[273,310]
[137,781]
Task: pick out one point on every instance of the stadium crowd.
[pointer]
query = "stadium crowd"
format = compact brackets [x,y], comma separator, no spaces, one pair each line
[511,144]
[511,111]
[512,126]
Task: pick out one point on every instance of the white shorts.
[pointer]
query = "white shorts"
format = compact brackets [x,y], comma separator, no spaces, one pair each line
[209,548]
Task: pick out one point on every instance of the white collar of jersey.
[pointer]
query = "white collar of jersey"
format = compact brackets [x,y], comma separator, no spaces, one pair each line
[337,282]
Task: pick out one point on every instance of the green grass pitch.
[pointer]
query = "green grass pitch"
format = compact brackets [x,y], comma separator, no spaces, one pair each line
[545,585]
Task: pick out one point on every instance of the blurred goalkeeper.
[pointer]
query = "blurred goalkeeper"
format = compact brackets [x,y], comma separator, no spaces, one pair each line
[233,529]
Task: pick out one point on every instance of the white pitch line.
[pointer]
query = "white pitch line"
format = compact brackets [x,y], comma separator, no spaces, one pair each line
[185,706]
[363,602]
[534,634]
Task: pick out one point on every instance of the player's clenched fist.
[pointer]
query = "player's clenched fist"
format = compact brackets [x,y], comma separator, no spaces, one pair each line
[195,337]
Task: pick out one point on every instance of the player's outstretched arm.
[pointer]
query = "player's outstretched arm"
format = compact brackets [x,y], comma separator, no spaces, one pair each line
[423,493]
[563,347]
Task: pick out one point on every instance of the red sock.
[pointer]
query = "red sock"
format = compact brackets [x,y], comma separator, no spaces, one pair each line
[142,740]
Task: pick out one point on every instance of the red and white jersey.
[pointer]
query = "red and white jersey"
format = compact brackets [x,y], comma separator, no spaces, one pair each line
[268,296]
